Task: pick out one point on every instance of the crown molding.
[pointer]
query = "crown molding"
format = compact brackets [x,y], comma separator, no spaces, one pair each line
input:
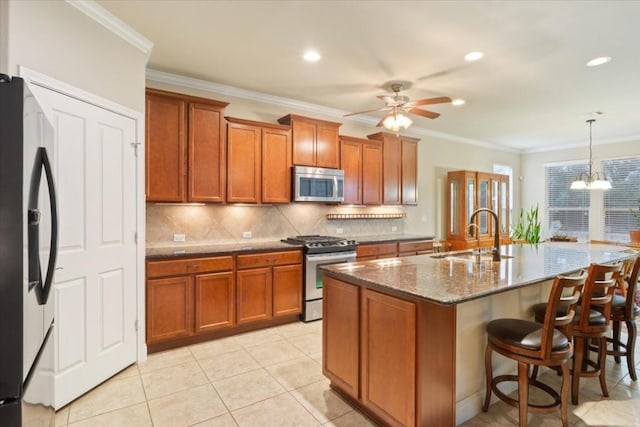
[204,85]
[631,138]
[105,18]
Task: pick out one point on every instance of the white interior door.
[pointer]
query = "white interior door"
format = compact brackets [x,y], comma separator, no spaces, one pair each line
[95,284]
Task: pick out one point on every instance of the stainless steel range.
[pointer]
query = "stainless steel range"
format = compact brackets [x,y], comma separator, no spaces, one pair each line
[318,251]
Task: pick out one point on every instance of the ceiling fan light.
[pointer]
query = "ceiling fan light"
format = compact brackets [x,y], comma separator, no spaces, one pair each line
[458,101]
[473,56]
[396,121]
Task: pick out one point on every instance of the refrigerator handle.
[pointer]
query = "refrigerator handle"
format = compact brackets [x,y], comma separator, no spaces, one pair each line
[42,289]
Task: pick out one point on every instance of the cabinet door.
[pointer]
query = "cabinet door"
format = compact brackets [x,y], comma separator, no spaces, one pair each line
[214,301]
[206,154]
[254,295]
[341,334]
[388,357]
[392,177]
[409,172]
[276,166]
[169,308]
[304,143]
[287,290]
[351,156]
[371,174]
[165,149]
[243,163]
[327,146]
[483,197]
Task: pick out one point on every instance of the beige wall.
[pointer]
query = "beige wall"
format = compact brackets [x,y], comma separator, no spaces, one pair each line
[435,157]
[4,36]
[533,183]
[56,39]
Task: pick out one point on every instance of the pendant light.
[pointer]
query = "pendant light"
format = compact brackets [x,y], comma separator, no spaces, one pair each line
[591,181]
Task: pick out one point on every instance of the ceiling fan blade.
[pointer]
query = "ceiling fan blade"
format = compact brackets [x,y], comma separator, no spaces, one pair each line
[424,113]
[387,98]
[368,111]
[381,120]
[438,100]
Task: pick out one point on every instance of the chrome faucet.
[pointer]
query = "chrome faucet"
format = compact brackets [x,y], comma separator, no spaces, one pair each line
[496,234]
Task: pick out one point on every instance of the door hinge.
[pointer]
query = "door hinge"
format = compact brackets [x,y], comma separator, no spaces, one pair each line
[135,237]
[135,325]
[135,146]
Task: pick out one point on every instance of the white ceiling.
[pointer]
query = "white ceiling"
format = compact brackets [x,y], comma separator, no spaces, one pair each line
[531,91]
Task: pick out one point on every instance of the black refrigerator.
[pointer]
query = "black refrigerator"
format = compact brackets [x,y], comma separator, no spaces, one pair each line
[28,249]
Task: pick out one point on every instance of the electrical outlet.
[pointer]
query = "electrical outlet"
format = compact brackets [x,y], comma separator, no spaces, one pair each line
[339,231]
[246,234]
[179,238]
[394,228]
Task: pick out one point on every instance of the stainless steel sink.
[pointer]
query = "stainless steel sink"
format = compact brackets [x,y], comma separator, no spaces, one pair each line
[469,256]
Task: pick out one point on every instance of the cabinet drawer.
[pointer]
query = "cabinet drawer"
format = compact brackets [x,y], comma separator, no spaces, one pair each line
[376,250]
[266,259]
[189,266]
[415,247]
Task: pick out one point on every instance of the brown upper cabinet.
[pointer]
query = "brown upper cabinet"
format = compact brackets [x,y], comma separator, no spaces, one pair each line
[400,168]
[315,142]
[361,160]
[258,162]
[185,148]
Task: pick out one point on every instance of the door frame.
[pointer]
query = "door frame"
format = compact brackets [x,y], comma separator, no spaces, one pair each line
[39,79]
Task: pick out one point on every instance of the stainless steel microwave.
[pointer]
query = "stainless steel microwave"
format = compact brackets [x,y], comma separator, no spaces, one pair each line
[318,184]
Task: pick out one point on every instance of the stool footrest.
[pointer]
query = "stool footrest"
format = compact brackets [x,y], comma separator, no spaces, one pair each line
[534,383]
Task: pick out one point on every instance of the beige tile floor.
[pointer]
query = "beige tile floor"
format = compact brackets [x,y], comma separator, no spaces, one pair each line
[274,378]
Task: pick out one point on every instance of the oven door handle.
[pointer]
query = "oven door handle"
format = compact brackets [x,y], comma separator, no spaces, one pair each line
[332,257]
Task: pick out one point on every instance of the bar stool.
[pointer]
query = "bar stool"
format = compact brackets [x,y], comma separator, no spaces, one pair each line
[591,323]
[531,343]
[624,309]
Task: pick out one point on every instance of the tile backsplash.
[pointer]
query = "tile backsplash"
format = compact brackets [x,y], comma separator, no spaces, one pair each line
[226,223]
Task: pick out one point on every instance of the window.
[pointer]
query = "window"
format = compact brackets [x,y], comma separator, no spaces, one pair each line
[624,175]
[567,211]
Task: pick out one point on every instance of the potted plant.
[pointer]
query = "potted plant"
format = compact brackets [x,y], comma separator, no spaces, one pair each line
[527,228]
[635,234]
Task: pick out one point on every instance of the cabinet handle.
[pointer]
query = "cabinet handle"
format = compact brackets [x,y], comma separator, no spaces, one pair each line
[194,266]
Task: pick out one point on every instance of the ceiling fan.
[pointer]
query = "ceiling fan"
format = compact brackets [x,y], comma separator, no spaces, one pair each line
[400,106]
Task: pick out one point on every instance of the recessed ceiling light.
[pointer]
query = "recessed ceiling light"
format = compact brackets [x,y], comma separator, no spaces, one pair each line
[458,102]
[312,56]
[473,56]
[598,61]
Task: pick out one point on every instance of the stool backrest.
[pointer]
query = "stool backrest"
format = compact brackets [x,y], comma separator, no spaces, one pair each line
[561,308]
[631,279]
[597,295]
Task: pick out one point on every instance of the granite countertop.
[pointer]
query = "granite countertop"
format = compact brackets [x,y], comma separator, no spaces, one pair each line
[213,249]
[217,249]
[454,280]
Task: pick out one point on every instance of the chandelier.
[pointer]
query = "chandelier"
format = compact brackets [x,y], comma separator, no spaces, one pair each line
[592,180]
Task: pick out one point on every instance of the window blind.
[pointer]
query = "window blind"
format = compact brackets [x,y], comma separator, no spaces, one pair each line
[567,211]
[624,175]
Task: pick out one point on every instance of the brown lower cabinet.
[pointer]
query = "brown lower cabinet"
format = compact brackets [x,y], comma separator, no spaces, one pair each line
[371,251]
[194,299]
[388,354]
[372,364]
[269,285]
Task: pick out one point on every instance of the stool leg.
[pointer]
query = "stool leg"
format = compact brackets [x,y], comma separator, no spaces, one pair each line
[489,373]
[523,392]
[534,373]
[631,348]
[578,354]
[616,341]
[602,364]
[564,394]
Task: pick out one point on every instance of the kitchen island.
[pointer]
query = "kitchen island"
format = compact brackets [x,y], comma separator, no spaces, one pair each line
[404,338]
